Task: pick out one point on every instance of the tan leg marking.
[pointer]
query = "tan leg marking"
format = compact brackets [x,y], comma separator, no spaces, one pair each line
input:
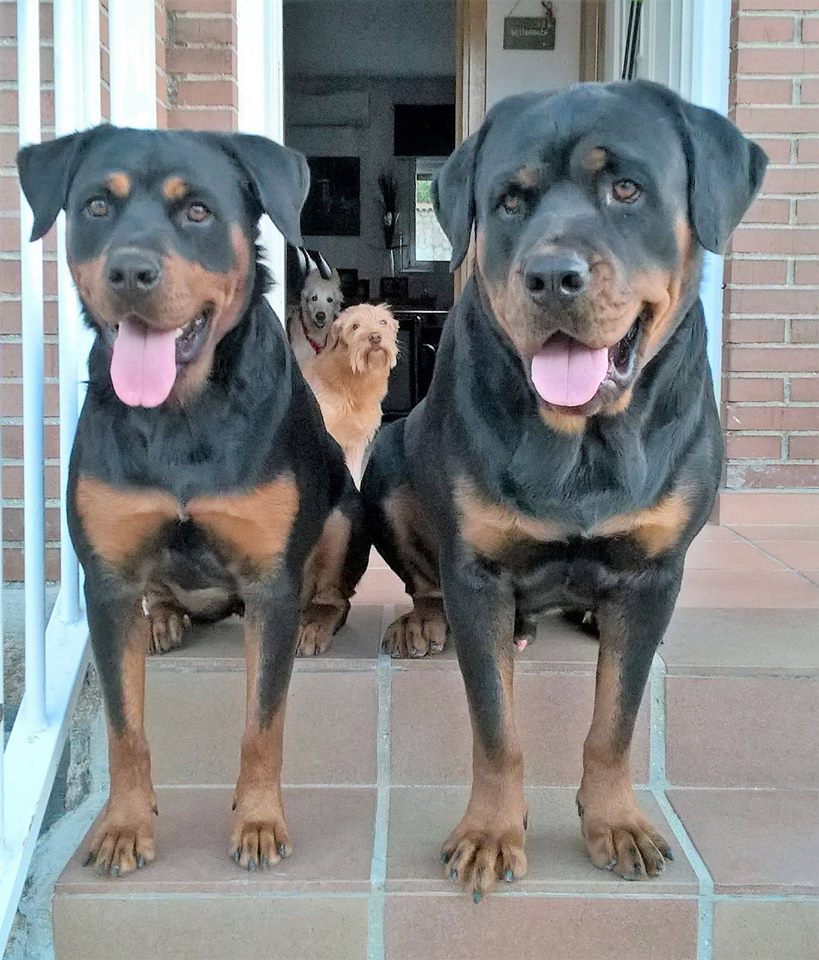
[259,836]
[617,835]
[487,845]
[325,604]
[124,838]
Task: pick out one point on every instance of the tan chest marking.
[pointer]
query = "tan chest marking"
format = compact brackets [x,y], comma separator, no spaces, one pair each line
[493,528]
[254,526]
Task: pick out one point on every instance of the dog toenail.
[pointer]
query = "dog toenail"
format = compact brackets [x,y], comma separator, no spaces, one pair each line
[508,876]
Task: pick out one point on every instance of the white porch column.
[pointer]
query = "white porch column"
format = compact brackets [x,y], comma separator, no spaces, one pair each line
[132,44]
[261,106]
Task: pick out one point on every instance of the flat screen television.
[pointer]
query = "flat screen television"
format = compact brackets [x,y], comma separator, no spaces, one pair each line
[424,130]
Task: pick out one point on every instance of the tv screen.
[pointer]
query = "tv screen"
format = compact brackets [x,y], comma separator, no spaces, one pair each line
[424,130]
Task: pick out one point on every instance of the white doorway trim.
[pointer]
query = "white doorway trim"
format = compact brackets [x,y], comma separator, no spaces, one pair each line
[684,44]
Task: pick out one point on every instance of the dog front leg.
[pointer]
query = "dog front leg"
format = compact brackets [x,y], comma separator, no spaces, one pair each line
[124,838]
[260,837]
[487,844]
[617,835]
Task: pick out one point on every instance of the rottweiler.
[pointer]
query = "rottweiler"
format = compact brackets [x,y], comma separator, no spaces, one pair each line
[202,481]
[569,448]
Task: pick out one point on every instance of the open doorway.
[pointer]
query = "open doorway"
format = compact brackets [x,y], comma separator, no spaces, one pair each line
[370,99]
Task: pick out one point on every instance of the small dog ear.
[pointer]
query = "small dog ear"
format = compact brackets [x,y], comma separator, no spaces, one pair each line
[46,171]
[279,178]
[453,197]
[334,336]
[725,169]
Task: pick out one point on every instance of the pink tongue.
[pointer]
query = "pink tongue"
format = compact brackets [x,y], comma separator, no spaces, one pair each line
[567,373]
[143,368]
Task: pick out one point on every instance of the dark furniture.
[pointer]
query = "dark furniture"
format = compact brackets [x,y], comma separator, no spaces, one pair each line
[419,333]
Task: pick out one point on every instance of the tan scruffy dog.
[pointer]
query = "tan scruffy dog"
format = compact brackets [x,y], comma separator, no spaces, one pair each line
[349,377]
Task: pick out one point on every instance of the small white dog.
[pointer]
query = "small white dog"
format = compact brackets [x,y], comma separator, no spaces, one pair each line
[309,321]
[350,377]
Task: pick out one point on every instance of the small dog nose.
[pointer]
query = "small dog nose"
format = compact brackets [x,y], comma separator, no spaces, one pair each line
[321,315]
[561,276]
[133,271]
[375,338]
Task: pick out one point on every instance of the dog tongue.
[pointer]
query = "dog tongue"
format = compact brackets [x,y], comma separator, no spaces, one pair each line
[143,368]
[567,373]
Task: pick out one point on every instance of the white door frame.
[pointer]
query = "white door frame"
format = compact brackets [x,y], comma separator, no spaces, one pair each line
[684,44]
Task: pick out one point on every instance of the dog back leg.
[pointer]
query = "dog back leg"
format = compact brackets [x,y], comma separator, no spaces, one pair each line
[332,572]
[405,538]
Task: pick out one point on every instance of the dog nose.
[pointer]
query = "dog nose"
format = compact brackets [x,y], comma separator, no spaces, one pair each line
[321,315]
[375,338]
[561,276]
[133,272]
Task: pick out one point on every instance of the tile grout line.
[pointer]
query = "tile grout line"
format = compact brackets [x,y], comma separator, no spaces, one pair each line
[378,871]
[771,556]
[658,783]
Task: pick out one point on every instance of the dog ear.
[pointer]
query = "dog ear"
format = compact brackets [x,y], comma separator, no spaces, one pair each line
[453,197]
[725,172]
[279,178]
[334,336]
[46,171]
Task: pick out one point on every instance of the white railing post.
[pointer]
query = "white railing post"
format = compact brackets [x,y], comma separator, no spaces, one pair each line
[261,107]
[31,278]
[132,46]
[68,118]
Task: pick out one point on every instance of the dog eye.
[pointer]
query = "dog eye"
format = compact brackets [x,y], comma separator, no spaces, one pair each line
[626,191]
[512,203]
[355,326]
[329,299]
[314,297]
[197,213]
[97,207]
[383,323]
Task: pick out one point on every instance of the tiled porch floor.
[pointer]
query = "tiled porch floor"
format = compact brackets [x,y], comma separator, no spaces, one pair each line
[377,763]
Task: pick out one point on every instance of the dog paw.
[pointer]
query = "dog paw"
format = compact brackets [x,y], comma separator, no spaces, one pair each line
[420,632]
[477,855]
[317,625]
[168,625]
[620,839]
[259,838]
[124,840]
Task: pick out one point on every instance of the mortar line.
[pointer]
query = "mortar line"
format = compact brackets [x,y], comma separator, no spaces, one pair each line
[658,782]
[378,870]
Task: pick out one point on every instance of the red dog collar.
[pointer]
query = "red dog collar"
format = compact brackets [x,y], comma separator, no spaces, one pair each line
[317,347]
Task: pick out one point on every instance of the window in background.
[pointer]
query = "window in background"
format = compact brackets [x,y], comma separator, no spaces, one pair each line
[429,242]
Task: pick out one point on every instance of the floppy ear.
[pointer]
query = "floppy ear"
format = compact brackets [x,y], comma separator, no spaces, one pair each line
[453,197]
[46,171]
[334,336]
[725,171]
[279,178]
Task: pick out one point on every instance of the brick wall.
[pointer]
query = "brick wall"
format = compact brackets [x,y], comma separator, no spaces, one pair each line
[771,351]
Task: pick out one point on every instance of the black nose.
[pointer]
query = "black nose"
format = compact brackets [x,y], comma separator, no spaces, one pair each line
[133,272]
[321,315]
[375,338]
[555,276]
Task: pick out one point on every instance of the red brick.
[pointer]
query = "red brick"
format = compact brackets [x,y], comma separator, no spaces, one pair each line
[783,240]
[778,149]
[755,331]
[778,119]
[13,482]
[199,119]
[807,150]
[13,564]
[809,91]
[13,521]
[773,359]
[741,417]
[753,448]
[768,211]
[765,302]
[212,30]
[757,271]
[793,5]
[202,6]
[216,61]
[777,60]
[804,448]
[13,442]
[810,30]
[765,29]
[748,91]
[782,476]
[207,93]
[755,389]
[805,331]
[805,389]
[806,271]
[807,212]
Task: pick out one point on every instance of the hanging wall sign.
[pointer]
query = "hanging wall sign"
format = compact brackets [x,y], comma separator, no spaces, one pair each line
[530,33]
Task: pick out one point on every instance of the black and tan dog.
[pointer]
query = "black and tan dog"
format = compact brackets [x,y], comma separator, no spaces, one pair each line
[201,478]
[572,427]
